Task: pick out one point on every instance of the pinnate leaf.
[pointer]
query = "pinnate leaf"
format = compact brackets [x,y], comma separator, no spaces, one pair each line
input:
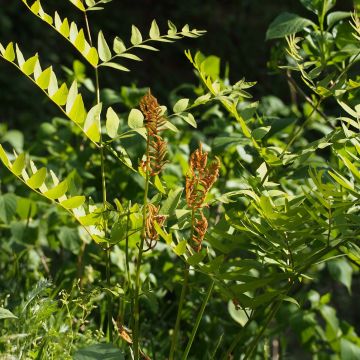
[37,179]
[103,48]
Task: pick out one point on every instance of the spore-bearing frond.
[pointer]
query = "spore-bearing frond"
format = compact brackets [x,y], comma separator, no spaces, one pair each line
[201,177]
[154,122]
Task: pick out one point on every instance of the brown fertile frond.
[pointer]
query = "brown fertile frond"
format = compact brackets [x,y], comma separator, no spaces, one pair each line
[198,160]
[151,110]
[154,122]
[199,232]
[151,233]
[201,178]
[158,152]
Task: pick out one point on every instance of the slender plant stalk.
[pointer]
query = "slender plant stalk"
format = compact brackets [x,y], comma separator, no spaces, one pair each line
[178,317]
[274,309]
[139,259]
[198,319]
[182,295]
[103,188]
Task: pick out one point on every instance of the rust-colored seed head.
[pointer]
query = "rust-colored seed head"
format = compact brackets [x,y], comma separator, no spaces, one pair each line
[154,122]
[200,228]
[200,179]
[151,110]
[151,233]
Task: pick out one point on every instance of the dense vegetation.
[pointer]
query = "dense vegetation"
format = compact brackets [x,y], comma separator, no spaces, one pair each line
[161,213]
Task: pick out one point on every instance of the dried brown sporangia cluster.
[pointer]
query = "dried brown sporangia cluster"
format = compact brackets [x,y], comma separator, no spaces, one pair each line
[201,177]
[154,123]
[151,233]
[155,160]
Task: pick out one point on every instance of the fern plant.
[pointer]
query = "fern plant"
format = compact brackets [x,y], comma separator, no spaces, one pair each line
[282,207]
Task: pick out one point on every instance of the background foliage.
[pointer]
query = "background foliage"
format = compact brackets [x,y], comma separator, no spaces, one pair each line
[252,219]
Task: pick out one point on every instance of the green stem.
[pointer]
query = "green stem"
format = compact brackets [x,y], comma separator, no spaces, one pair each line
[178,317]
[182,295]
[103,188]
[138,265]
[198,319]
[272,313]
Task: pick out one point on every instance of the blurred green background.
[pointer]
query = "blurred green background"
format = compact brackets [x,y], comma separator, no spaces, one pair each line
[236,33]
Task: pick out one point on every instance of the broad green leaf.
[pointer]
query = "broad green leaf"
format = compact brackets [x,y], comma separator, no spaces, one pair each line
[193,260]
[79,4]
[135,119]
[73,202]
[35,7]
[73,32]
[37,179]
[65,28]
[341,180]
[115,66]
[118,231]
[53,85]
[119,46]
[61,96]
[287,24]
[349,350]
[37,69]
[336,16]
[103,48]
[73,92]
[154,30]
[44,79]
[351,166]
[91,219]
[80,41]
[158,184]
[130,56]
[4,157]
[181,105]
[26,208]
[99,352]
[180,248]
[260,132]
[171,126]
[57,21]
[341,271]
[211,66]
[93,132]
[92,122]
[78,112]
[238,315]
[170,204]
[329,315]
[167,237]
[6,314]
[112,123]
[9,53]
[172,28]
[69,239]
[147,47]
[136,37]
[8,204]
[318,6]
[57,191]
[189,118]
[92,57]
[19,56]
[18,165]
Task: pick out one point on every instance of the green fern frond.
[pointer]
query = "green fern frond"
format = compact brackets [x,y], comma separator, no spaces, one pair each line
[70,31]
[69,101]
[36,180]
